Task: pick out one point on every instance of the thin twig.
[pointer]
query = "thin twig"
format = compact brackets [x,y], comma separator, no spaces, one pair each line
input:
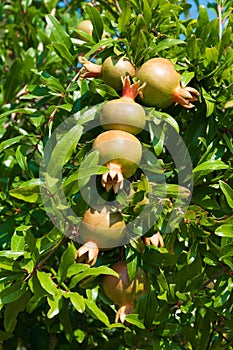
[117,6]
[218,274]
[220,20]
[41,263]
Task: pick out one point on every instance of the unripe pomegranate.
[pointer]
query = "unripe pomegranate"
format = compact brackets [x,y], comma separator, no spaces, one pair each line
[124,113]
[86,27]
[124,292]
[121,152]
[163,86]
[111,71]
[99,229]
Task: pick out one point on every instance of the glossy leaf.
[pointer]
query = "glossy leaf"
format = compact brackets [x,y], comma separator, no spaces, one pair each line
[228,192]
[46,282]
[97,312]
[29,191]
[224,231]
[96,21]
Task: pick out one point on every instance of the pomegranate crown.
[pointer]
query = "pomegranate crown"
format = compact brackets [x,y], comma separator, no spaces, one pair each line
[129,90]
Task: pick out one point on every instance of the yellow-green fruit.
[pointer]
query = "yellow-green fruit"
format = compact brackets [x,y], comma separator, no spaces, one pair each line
[124,292]
[103,227]
[86,27]
[121,148]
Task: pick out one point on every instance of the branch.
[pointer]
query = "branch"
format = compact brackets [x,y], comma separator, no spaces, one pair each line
[218,274]
[117,6]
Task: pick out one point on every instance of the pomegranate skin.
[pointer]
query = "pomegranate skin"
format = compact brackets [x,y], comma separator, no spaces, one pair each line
[161,80]
[86,27]
[124,113]
[163,85]
[113,68]
[124,292]
[121,148]
[103,227]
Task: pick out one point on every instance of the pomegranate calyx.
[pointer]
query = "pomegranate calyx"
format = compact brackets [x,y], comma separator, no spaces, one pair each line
[89,69]
[156,240]
[131,91]
[87,252]
[113,178]
[185,95]
[123,311]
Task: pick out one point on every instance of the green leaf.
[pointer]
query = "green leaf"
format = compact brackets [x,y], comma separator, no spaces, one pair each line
[58,34]
[77,300]
[96,20]
[135,320]
[225,231]
[55,303]
[167,43]
[63,147]
[17,111]
[65,319]
[8,143]
[21,157]
[63,52]
[124,18]
[12,293]
[210,165]
[76,268]
[52,82]
[162,281]
[6,262]
[47,282]
[13,309]
[13,80]
[94,271]
[67,259]
[225,41]
[147,11]
[29,191]
[228,192]
[17,241]
[96,312]
[132,263]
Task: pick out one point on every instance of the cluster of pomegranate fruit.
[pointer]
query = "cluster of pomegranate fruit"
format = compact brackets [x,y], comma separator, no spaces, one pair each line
[156,84]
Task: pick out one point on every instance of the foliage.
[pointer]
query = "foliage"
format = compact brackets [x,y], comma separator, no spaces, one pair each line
[47,299]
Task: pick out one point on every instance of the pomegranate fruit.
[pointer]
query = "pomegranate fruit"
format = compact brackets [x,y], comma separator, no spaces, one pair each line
[121,152]
[111,71]
[124,113]
[86,27]
[100,228]
[124,292]
[163,85]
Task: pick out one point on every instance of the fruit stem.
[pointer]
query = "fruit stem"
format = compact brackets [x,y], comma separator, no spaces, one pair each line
[113,178]
[131,91]
[90,69]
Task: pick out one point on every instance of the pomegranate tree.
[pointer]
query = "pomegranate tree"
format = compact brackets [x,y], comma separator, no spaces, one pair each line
[111,71]
[124,292]
[124,113]
[163,85]
[121,152]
